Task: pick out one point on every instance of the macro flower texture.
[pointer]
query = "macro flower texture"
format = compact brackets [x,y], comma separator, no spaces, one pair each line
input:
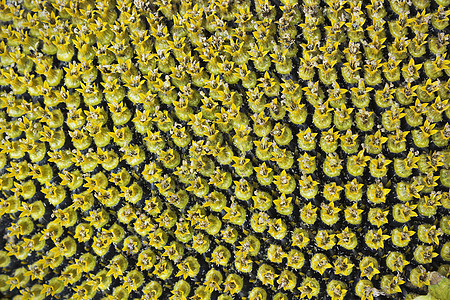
[224,149]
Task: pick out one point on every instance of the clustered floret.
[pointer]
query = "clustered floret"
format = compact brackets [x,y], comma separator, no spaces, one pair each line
[224,149]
